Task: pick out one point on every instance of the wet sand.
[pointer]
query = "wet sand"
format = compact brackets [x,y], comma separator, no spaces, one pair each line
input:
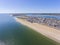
[49,32]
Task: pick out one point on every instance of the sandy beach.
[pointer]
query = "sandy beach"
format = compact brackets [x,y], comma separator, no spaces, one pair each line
[49,32]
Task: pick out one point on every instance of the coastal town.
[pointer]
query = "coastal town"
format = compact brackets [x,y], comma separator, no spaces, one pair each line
[52,22]
[29,22]
[47,26]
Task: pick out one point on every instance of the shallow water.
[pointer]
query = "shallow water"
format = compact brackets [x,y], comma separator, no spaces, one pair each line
[13,33]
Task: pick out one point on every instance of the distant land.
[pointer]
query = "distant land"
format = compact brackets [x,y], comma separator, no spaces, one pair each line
[18,14]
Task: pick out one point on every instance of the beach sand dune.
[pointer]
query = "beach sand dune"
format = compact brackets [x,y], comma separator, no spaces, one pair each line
[49,32]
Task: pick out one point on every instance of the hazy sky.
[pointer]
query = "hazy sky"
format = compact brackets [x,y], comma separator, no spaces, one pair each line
[29,6]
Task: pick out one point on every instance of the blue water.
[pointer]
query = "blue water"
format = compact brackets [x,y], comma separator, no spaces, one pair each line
[14,33]
[47,16]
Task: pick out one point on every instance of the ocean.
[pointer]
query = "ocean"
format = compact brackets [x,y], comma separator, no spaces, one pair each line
[14,33]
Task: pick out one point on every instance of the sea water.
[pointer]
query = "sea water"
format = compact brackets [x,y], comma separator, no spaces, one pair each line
[14,33]
[47,16]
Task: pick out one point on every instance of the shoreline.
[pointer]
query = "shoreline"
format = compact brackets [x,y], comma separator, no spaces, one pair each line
[49,32]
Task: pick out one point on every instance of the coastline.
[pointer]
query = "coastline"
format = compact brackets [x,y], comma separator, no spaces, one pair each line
[51,33]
